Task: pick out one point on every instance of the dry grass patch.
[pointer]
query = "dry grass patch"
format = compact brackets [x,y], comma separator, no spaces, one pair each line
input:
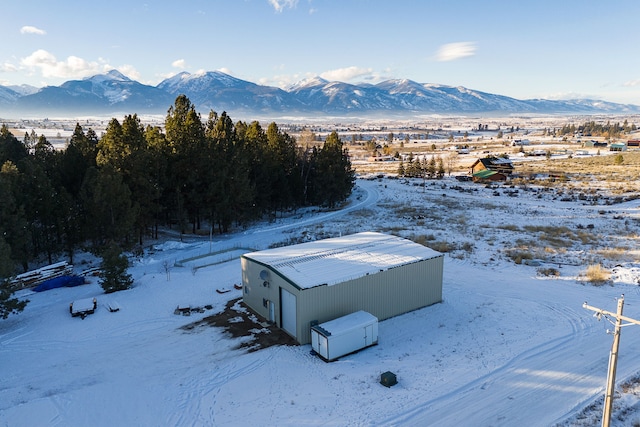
[442,246]
[561,237]
[596,274]
[509,227]
[364,213]
[615,254]
[422,239]
[548,272]
[518,255]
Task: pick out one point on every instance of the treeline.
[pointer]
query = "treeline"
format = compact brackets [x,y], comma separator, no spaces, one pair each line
[121,187]
[433,168]
[607,130]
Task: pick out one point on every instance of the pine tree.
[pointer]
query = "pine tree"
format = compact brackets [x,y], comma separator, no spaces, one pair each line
[335,177]
[401,171]
[440,168]
[8,305]
[14,226]
[108,204]
[431,167]
[187,163]
[10,148]
[113,275]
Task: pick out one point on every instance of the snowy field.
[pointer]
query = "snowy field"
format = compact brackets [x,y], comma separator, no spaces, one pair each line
[507,346]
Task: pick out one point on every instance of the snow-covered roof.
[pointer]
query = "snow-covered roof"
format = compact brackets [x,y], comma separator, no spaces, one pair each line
[332,261]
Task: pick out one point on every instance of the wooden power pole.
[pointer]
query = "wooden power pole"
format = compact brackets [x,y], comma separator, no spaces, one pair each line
[613,356]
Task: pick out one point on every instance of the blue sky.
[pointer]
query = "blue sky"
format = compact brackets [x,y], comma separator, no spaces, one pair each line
[524,49]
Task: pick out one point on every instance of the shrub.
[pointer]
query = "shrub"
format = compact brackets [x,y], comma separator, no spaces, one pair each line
[597,275]
[442,246]
[113,274]
[423,239]
[518,256]
[548,272]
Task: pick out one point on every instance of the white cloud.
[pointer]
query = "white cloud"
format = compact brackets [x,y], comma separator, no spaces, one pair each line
[345,74]
[284,81]
[280,5]
[130,71]
[225,70]
[563,96]
[72,67]
[453,51]
[179,63]
[632,83]
[8,68]
[28,29]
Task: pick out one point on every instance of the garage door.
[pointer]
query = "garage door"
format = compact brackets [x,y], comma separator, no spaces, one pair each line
[288,311]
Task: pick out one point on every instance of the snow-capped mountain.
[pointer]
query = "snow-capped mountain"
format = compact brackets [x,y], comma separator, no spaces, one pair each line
[8,95]
[113,92]
[103,93]
[215,90]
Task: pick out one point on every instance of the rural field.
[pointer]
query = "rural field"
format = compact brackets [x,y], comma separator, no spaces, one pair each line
[509,345]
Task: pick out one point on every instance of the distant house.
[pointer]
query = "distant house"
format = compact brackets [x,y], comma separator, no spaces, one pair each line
[385,158]
[491,169]
[618,146]
[594,143]
[633,143]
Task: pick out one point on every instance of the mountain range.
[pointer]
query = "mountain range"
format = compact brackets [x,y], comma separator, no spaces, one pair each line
[114,93]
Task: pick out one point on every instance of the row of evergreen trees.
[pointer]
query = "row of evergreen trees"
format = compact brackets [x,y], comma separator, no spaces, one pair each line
[120,187]
[609,130]
[416,168]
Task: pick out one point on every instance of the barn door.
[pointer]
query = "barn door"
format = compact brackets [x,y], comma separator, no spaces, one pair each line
[288,311]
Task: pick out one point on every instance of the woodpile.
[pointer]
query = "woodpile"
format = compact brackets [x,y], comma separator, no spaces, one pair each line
[33,278]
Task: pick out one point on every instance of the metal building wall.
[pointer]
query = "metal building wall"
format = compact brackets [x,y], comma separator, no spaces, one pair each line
[254,293]
[385,294]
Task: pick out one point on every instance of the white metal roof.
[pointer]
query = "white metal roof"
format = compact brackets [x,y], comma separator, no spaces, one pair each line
[336,260]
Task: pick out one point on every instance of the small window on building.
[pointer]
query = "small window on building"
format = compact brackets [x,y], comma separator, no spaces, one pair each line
[265,284]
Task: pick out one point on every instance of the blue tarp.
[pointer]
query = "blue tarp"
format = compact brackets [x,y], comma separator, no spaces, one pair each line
[59,282]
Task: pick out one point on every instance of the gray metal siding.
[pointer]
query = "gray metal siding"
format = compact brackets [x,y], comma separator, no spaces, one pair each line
[385,294]
[254,293]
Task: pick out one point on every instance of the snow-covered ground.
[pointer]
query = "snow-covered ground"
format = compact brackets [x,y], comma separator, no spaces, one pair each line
[506,347]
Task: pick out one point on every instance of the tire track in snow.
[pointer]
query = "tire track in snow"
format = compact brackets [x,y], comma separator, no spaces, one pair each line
[189,410]
[540,373]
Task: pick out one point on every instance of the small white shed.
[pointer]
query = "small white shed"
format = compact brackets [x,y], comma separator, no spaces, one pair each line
[344,335]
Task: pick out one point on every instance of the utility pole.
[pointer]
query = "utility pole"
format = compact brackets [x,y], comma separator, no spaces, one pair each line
[613,356]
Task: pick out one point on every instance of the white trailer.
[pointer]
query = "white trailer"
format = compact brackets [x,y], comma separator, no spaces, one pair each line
[344,335]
